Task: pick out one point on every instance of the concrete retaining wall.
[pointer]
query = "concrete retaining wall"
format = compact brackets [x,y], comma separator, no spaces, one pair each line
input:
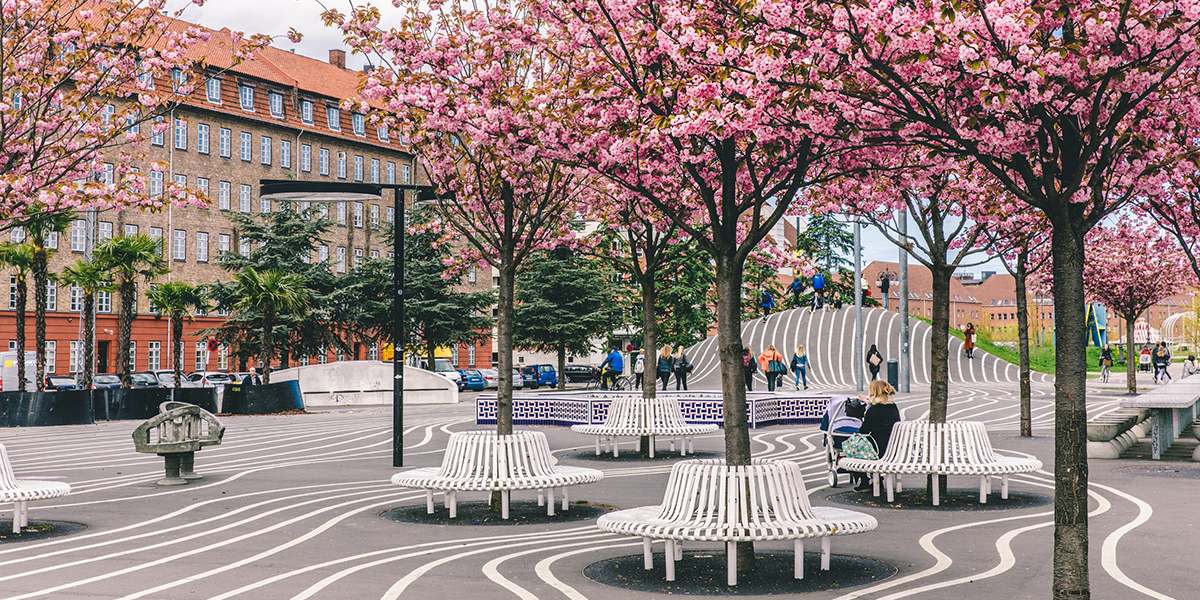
[355,382]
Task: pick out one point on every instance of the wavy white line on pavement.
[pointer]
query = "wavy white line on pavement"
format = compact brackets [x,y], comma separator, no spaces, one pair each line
[491,569]
[544,572]
[1108,551]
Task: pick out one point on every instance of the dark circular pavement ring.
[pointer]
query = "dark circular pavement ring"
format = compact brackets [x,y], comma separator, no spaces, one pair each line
[477,512]
[702,573]
[952,500]
[38,530]
[629,455]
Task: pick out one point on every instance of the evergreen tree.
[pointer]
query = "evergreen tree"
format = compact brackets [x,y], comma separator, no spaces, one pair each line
[685,296]
[563,303]
[829,244]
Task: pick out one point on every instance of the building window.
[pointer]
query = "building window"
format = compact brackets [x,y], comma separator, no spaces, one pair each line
[358,168]
[157,136]
[244,198]
[246,149]
[471,355]
[374,253]
[382,132]
[264,205]
[75,359]
[17,235]
[222,357]
[108,174]
[181,181]
[202,144]
[244,246]
[52,240]
[178,79]
[132,356]
[179,247]
[359,123]
[472,275]
[51,295]
[201,355]
[323,209]
[341,259]
[322,256]
[264,150]
[51,352]
[213,89]
[374,216]
[374,170]
[156,233]
[156,183]
[154,356]
[12,292]
[222,244]
[306,157]
[391,173]
[405,173]
[246,96]
[285,154]
[181,134]
[389,215]
[358,256]
[145,77]
[75,299]
[223,142]
[373,352]
[103,302]
[223,195]
[341,213]
[333,117]
[358,214]
[104,232]
[276,102]
[201,246]
[306,111]
[341,165]
[323,161]
[202,185]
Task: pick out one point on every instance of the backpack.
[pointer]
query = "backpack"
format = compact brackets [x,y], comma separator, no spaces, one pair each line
[818,282]
[861,446]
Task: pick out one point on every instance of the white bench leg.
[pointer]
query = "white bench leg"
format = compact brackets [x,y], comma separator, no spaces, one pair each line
[936,491]
[16,517]
[429,502]
[651,442]
[875,484]
[616,453]
[679,550]
[647,555]
[798,559]
[566,500]
[826,548]
[889,482]
[1004,487]
[731,560]
[597,445]
[669,559]
[24,514]
[989,482]
[899,483]
[983,489]
[452,503]
[504,505]
[549,502]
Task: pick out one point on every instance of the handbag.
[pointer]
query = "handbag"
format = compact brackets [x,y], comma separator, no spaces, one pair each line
[861,446]
[776,366]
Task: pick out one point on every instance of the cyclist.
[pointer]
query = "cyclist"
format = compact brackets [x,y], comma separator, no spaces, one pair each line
[611,368]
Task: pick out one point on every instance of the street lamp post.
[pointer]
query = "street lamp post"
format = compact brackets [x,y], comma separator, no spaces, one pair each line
[333,191]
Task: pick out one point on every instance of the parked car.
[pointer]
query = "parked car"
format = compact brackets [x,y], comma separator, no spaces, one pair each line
[518,380]
[545,374]
[61,383]
[472,380]
[210,379]
[144,380]
[491,377]
[443,367]
[106,381]
[581,373]
[529,378]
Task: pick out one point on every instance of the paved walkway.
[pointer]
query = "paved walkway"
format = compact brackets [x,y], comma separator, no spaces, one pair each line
[292,505]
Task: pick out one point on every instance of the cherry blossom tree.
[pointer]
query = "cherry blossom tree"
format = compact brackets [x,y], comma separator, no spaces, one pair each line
[1068,105]
[1131,266]
[470,87]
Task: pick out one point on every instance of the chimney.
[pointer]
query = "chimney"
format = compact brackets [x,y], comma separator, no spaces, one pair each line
[337,58]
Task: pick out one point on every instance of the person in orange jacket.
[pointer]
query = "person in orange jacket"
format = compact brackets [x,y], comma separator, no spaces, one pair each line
[772,365]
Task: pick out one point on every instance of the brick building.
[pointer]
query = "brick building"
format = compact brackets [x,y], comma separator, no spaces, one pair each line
[275,115]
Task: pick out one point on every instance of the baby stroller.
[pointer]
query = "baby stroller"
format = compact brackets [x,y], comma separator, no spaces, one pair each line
[842,418]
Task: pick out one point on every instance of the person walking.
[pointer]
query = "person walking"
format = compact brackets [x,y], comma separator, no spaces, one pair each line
[874,361]
[879,421]
[615,364]
[682,367]
[969,340]
[800,366]
[1162,360]
[771,362]
[639,369]
[885,284]
[666,365]
[818,284]
[1106,362]
[796,288]
[748,368]
[766,302]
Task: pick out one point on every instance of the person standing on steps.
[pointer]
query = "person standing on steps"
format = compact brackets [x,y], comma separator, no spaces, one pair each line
[874,361]
[771,362]
[666,365]
[766,302]
[969,340]
[818,285]
[885,284]
[796,289]
[682,367]
[1106,362]
[639,369]
[800,366]
[748,368]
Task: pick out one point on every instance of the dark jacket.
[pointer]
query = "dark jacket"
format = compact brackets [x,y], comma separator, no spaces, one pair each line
[874,352]
[249,380]
[1161,360]
[666,365]
[682,364]
[878,424]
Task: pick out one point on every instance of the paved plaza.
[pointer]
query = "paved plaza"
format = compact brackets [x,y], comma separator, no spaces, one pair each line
[294,507]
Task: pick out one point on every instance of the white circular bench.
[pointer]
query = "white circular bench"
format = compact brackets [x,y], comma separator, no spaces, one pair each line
[709,501]
[634,416]
[19,492]
[482,461]
[959,448]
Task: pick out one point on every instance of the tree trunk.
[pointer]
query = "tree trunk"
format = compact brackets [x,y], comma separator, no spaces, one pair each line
[177,363]
[939,351]
[22,300]
[504,343]
[264,367]
[39,315]
[1070,580]
[649,349]
[562,365]
[733,377]
[284,358]
[431,351]
[1131,363]
[1023,348]
[128,293]
[89,339]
